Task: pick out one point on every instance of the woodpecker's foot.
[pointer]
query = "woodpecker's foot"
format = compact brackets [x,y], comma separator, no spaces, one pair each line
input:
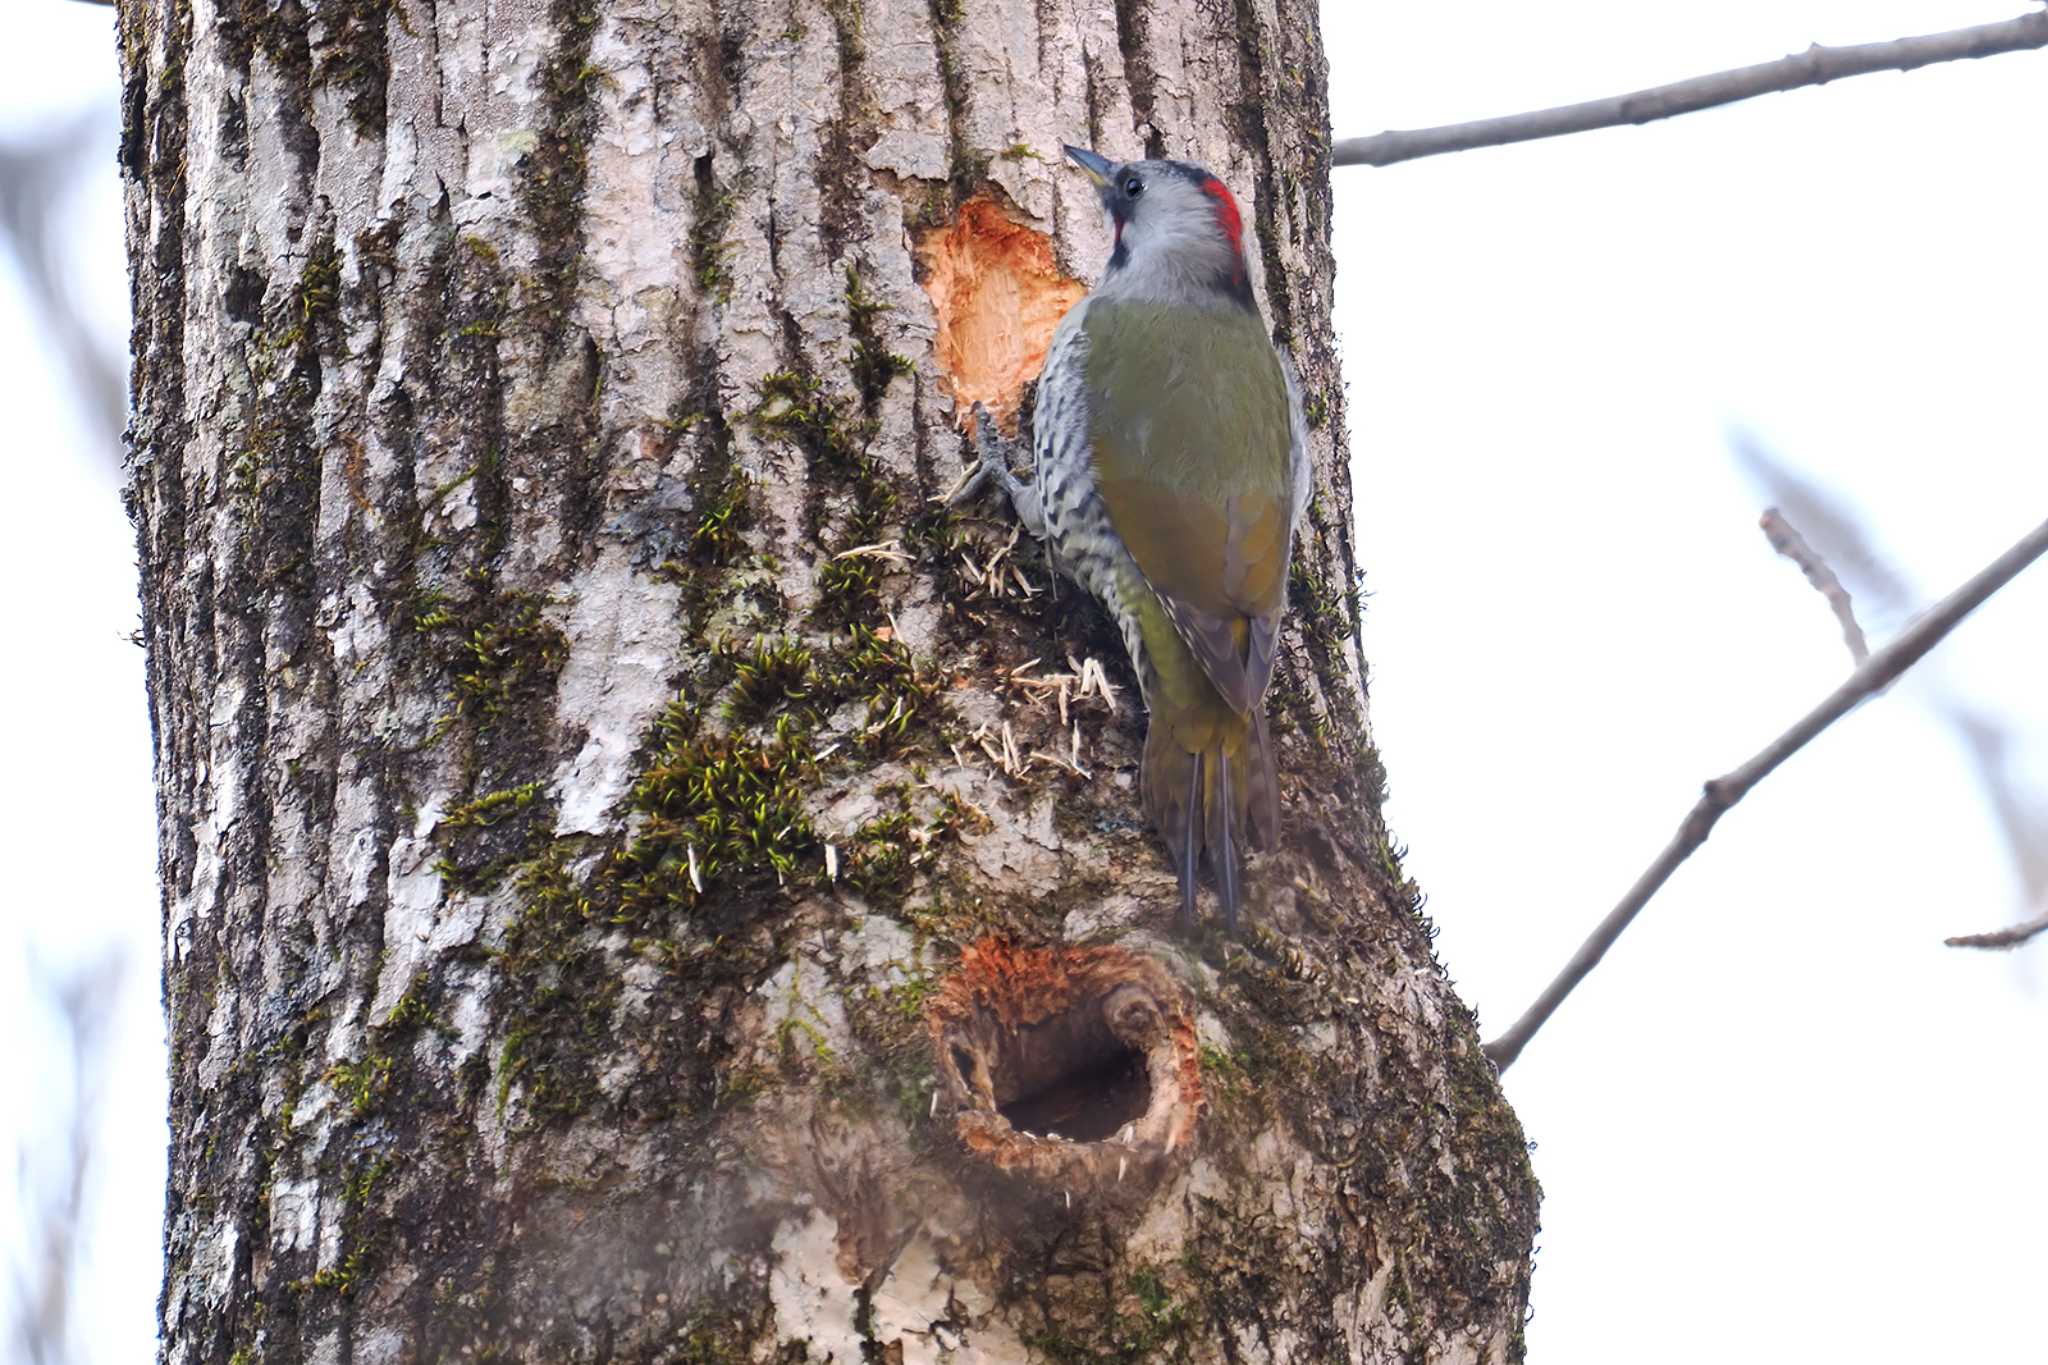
[995,464]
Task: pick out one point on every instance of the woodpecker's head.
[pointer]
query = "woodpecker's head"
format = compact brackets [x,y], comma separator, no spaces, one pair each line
[1178,231]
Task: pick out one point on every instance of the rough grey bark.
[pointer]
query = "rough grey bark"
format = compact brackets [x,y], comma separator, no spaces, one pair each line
[636,885]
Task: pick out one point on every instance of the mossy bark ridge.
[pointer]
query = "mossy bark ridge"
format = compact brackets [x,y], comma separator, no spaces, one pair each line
[643,882]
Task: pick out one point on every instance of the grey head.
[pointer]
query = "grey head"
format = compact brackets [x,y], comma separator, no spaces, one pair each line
[1179,235]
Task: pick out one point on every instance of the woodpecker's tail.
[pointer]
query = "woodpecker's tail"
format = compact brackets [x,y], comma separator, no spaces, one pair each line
[1217,799]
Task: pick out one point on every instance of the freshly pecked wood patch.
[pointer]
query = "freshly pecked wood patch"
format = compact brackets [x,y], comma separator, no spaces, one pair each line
[998,293]
[1075,1064]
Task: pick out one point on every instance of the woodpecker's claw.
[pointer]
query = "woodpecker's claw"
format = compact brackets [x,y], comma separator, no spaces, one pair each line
[994,460]
[995,464]
[967,489]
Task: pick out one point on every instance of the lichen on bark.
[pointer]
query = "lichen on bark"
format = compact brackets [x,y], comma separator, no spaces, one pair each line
[588,756]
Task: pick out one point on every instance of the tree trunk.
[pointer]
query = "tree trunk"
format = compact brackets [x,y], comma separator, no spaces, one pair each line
[642,879]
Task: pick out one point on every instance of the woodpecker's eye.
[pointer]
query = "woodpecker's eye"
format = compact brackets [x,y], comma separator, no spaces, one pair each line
[1133,187]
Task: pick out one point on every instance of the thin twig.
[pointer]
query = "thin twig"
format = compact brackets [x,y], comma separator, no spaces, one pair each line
[2010,937]
[1787,541]
[1815,66]
[1876,673]
[1831,526]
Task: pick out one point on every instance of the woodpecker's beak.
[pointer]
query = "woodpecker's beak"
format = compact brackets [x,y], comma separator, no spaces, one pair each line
[1096,167]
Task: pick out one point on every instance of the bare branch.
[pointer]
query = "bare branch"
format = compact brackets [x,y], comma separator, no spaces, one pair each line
[1836,531]
[1839,537]
[1787,541]
[1815,66]
[1721,794]
[2010,937]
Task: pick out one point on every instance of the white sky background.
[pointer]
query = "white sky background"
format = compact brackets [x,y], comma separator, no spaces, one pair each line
[1781,1121]
[75,743]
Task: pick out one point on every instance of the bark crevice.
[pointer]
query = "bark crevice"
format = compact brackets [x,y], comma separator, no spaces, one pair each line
[1133,36]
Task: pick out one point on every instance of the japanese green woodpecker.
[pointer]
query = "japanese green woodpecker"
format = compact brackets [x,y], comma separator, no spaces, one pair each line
[1172,467]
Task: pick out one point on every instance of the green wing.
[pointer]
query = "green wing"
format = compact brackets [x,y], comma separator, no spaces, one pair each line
[1192,453]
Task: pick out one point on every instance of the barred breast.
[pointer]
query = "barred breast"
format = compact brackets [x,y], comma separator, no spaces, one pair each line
[1084,545]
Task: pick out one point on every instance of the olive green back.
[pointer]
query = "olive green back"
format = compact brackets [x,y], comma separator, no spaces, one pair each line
[1192,452]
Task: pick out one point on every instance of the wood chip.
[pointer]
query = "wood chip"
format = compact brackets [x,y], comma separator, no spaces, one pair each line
[973,473]
[891,550]
[1054,760]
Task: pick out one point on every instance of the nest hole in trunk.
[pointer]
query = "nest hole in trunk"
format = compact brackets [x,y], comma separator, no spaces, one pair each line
[1049,1050]
[1072,1077]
